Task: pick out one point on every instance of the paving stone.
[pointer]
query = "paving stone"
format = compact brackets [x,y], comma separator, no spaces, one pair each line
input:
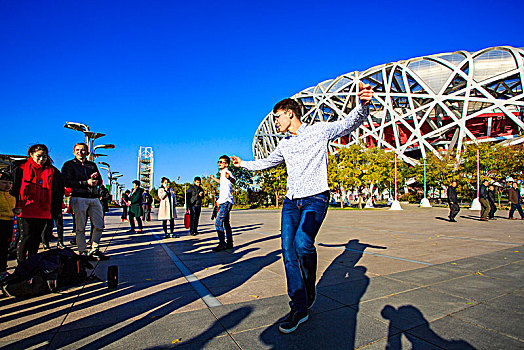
[451,333]
[477,287]
[342,328]
[414,307]
[427,275]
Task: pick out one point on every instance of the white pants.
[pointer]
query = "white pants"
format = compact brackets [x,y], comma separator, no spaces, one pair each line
[83,208]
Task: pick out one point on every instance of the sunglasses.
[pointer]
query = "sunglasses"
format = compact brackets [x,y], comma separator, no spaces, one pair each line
[221,161]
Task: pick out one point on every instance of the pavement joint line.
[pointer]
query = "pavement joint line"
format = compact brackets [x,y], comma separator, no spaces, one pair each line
[204,293]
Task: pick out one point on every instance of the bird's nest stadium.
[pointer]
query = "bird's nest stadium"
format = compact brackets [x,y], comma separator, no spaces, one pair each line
[421,105]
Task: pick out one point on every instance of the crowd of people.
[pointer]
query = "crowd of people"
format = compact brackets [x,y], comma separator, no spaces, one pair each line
[487,201]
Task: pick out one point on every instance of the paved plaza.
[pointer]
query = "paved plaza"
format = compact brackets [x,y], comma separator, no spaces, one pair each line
[386,279]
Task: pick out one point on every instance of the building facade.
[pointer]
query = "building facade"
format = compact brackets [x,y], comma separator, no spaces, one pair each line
[425,104]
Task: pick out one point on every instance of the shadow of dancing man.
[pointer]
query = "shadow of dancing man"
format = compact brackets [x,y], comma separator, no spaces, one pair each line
[304,149]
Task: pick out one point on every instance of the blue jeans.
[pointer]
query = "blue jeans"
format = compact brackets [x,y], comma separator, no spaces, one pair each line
[222,224]
[517,207]
[301,221]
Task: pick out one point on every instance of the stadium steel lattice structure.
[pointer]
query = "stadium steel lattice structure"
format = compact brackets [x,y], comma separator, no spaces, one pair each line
[421,105]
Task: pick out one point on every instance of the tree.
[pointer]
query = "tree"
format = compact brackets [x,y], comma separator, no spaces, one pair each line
[210,190]
[273,180]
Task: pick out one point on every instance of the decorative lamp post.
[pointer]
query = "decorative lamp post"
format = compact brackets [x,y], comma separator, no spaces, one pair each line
[424,203]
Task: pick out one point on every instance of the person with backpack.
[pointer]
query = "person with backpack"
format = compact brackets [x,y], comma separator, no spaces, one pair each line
[135,206]
[147,202]
[125,204]
[194,196]
[39,190]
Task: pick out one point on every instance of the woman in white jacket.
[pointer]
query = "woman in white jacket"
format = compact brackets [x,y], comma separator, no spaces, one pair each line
[167,209]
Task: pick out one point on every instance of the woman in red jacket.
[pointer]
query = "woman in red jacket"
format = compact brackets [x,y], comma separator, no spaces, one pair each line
[39,190]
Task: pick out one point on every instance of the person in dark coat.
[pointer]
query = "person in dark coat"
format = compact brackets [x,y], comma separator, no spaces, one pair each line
[147,202]
[105,196]
[194,196]
[125,204]
[514,200]
[483,198]
[454,207]
[135,206]
[492,203]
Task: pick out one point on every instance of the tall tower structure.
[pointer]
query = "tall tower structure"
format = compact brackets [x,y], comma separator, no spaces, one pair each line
[145,167]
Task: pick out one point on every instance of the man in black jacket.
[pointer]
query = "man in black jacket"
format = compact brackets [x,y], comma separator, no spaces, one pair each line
[194,196]
[147,202]
[483,198]
[492,203]
[454,207]
[83,177]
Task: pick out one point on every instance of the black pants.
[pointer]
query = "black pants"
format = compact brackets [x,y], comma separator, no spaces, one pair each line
[453,210]
[30,236]
[194,215]
[124,212]
[146,216]
[493,209]
[171,225]
[132,218]
[48,232]
[6,235]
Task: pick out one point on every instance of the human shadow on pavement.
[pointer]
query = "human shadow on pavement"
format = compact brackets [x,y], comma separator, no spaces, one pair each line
[333,317]
[403,319]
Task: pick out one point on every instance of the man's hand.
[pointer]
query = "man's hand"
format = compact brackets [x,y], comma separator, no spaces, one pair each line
[365,93]
[92,182]
[236,161]
[213,177]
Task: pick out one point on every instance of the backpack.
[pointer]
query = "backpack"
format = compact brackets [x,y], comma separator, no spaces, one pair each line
[46,272]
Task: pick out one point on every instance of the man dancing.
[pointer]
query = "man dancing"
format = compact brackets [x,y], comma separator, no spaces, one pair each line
[305,151]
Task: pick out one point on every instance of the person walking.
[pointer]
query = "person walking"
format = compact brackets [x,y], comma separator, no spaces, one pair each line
[83,177]
[147,202]
[39,188]
[304,149]
[484,202]
[194,196]
[514,200]
[454,207]
[225,203]
[167,208]
[492,202]
[125,204]
[135,206]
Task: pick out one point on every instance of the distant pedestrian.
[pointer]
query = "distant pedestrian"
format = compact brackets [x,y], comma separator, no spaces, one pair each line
[124,203]
[492,203]
[454,207]
[515,200]
[194,196]
[225,203]
[304,149]
[83,177]
[105,196]
[39,189]
[147,202]
[8,211]
[135,206]
[484,202]
[167,208]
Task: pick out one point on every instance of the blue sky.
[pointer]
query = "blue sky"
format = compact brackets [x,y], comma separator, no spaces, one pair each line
[194,79]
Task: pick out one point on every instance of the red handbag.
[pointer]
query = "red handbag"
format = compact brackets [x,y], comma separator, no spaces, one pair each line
[187,219]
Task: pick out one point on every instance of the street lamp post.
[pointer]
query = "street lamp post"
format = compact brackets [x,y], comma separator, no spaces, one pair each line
[475,205]
[424,203]
[395,205]
[107,146]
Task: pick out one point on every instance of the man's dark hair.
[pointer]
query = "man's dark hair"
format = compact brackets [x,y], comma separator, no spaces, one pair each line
[136,182]
[6,176]
[289,104]
[127,191]
[197,178]
[163,179]
[226,159]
